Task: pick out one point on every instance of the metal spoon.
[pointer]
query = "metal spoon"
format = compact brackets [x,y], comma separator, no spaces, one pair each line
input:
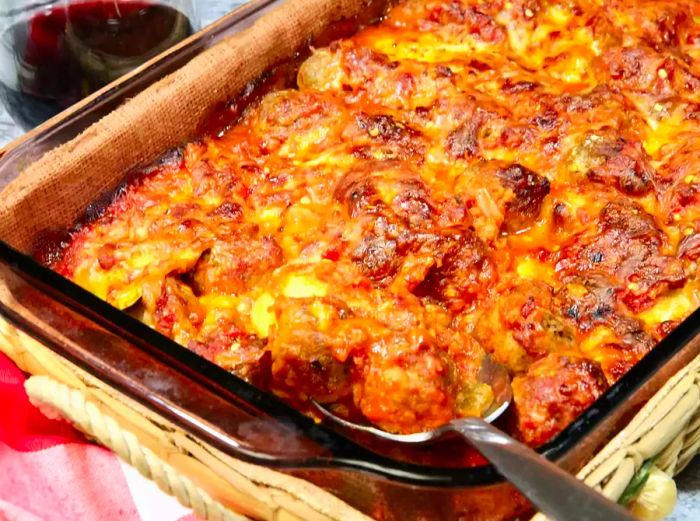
[555,492]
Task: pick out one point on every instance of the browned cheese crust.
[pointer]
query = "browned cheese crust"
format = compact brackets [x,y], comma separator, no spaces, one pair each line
[514,177]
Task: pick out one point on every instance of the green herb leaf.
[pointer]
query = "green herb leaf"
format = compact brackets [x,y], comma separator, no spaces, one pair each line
[637,483]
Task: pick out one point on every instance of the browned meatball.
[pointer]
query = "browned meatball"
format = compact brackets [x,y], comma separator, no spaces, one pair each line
[392,204]
[235,265]
[529,190]
[236,351]
[612,160]
[553,393]
[177,313]
[383,136]
[407,391]
[461,272]
[391,189]
[628,250]
[590,303]
[303,361]
[523,326]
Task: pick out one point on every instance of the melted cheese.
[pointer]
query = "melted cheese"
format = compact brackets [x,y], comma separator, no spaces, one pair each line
[435,187]
[674,307]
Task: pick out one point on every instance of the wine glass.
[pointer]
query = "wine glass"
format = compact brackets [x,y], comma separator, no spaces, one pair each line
[54,53]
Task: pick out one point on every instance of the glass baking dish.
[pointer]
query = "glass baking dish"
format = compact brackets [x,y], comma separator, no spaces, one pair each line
[247,423]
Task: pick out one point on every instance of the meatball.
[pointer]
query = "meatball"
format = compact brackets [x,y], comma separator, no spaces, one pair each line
[502,198]
[302,349]
[241,353]
[632,67]
[552,394]
[290,121]
[590,304]
[389,188]
[382,136]
[679,177]
[233,266]
[614,161]
[463,141]
[321,71]
[179,315]
[627,250]
[177,311]
[461,272]
[411,381]
[660,23]
[479,191]
[393,207]
[523,326]
[402,237]
[529,190]
[408,390]
[475,21]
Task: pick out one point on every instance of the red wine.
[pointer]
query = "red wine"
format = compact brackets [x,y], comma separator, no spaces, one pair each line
[66,52]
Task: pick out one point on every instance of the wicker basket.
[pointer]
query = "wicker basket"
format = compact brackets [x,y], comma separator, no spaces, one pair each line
[666,432]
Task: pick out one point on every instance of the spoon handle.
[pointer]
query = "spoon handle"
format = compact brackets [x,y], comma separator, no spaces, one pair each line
[555,492]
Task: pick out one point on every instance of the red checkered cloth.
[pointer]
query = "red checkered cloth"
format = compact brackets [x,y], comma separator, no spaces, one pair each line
[48,471]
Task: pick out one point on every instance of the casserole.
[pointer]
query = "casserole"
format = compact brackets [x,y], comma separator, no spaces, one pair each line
[365,238]
[588,431]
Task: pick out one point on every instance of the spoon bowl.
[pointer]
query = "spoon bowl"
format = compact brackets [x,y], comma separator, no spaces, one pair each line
[555,492]
[491,373]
